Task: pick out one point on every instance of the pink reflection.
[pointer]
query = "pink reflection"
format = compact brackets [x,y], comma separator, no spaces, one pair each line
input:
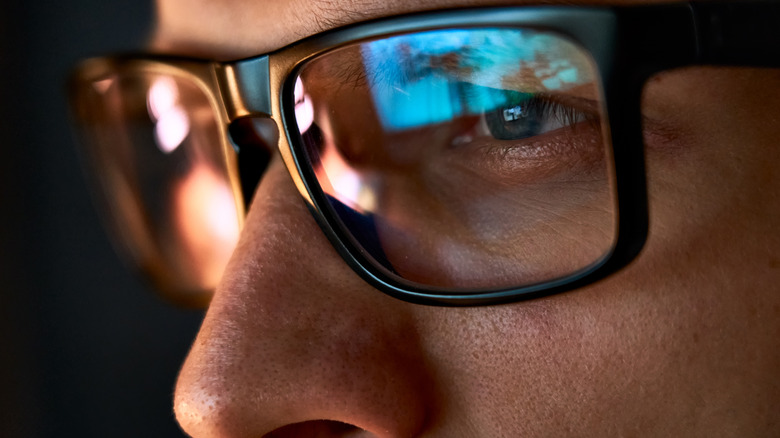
[171,129]
[337,176]
[343,182]
[304,111]
[208,222]
[104,84]
[163,96]
[172,124]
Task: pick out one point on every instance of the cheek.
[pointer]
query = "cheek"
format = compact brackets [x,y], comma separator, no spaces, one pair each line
[635,355]
[534,367]
[714,190]
[682,339]
[498,237]
[463,219]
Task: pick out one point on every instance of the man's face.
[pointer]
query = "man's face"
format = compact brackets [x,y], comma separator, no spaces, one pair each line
[683,342]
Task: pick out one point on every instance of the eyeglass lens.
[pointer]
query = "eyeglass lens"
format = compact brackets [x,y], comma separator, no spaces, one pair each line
[154,142]
[463,159]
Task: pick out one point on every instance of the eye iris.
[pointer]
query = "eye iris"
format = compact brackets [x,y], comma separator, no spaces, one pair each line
[514,113]
[513,123]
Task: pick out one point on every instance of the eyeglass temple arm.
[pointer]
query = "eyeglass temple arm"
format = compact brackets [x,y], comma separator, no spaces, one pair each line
[738,32]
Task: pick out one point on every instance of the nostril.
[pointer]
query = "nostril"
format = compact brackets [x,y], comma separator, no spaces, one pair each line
[319,429]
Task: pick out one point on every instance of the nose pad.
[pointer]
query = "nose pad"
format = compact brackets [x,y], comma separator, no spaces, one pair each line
[254,138]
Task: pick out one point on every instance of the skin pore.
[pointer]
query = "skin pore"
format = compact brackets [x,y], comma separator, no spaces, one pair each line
[683,342]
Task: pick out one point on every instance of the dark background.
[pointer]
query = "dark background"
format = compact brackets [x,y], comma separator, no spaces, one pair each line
[86,350]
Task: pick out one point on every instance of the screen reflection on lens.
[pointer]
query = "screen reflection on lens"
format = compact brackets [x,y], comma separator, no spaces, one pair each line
[465,159]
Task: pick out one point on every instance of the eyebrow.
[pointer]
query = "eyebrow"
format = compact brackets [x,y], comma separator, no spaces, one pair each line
[174,32]
[329,15]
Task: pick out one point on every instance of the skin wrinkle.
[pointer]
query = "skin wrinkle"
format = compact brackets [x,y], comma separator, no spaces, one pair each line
[177,33]
[671,346]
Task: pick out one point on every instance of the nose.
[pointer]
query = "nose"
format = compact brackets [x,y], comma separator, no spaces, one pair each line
[295,344]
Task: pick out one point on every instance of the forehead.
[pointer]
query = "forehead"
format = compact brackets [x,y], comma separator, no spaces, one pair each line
[237,28]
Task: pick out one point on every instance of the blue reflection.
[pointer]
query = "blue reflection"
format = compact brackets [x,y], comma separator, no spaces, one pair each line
[432,77]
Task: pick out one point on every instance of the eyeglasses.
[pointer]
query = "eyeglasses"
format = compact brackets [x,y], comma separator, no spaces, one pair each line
[462,157]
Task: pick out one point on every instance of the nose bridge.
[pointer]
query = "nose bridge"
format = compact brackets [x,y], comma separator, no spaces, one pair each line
[292,337]
[245,87]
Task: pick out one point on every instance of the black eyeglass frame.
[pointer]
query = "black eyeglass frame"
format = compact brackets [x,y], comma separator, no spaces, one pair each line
[628,46]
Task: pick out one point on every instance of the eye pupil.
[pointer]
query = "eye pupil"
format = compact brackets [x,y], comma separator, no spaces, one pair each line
[512,114]
[513,123]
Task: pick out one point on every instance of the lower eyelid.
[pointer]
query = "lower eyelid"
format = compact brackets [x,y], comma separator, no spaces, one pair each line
[569,153]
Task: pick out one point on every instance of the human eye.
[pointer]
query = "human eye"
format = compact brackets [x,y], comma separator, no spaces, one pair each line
[508,115]
[531,115]
[522,137]
[480,143]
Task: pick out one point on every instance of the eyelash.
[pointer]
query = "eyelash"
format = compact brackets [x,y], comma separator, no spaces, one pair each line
[546,112]
[549,106]
[535,115]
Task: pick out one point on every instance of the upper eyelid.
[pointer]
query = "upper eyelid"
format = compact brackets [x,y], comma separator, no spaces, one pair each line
[352,74]
[356,74]
[582,104]
[568,110]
